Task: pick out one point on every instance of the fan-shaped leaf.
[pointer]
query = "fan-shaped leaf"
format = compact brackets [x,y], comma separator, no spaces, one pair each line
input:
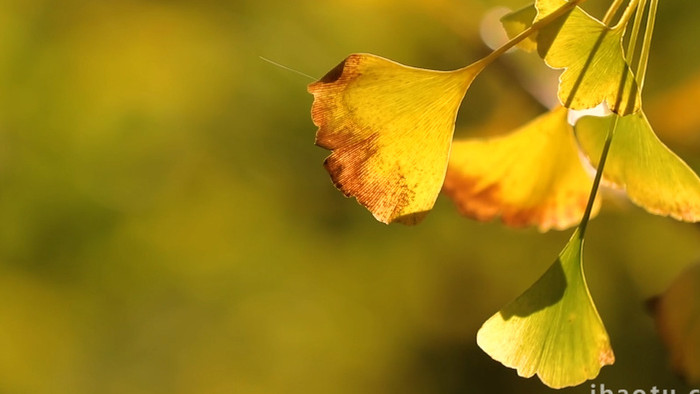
[592,56]
[653,176]
[390,127]
[531,177]
[553,329]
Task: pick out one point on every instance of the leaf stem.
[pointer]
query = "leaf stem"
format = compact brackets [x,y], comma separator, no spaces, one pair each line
[526,33]
[627,15]
[610,13]
[646,46]
[598,176]
[634,35]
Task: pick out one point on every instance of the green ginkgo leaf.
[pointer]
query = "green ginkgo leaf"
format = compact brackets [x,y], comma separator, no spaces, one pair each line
[517,22]
[651,174]
[593,58]
[553,329]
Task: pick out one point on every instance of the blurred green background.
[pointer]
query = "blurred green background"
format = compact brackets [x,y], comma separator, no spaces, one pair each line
[167,226]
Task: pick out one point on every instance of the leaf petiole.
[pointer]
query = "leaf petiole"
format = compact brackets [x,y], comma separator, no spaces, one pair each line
[632,44]
[598,176]
[610,14]
[646,46]
[627,15]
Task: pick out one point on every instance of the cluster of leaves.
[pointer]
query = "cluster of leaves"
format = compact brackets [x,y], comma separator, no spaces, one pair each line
[390,130]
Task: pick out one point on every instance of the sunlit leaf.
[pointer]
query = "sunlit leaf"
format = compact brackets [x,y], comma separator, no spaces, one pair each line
[531,177]
[518,21]
[553,329]
[390,127]
[653,176]
[677,315]
[593,59]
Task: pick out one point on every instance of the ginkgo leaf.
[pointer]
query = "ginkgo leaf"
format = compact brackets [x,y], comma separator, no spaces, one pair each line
[593,58]
[553,329]
[518,21]
[651,174]
[677,315]
[531,177]
[389,128]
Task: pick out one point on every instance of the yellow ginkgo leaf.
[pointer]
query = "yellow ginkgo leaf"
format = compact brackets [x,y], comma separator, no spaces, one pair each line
[531,177]
[389,128]
[593,58]
[518,21]
[653,176]
[553,329]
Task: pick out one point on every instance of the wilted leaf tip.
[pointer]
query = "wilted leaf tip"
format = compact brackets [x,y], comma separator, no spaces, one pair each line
[347,167]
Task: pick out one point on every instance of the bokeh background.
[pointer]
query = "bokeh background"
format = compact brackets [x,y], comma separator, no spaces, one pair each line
[166,225]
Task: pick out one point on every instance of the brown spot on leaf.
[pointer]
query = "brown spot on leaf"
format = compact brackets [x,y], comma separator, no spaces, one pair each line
[334,74]
[384,196]
[607,357]
[479,203]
